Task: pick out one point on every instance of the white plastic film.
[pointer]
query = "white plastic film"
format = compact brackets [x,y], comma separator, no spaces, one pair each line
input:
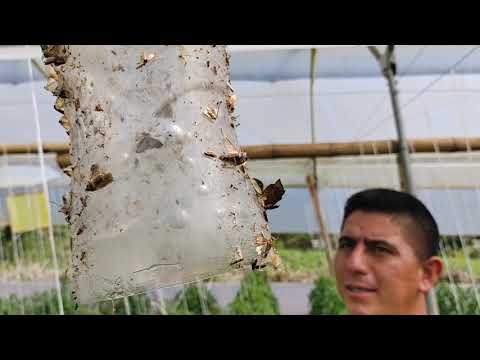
[160,194]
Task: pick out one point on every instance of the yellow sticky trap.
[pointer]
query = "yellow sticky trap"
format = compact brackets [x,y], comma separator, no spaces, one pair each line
[27,212]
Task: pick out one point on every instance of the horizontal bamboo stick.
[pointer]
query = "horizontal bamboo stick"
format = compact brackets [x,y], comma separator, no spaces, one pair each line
[359,148]
[276,151]
[60,148]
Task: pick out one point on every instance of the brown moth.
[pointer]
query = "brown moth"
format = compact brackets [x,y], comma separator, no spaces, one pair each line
[274,259]
[234,159]
[68,171]
[60,105]
[67,206]
[65,124]
[98,179]
[52,85]
[257,185]
[144,59]
[231,103]
[52,73]
[210,113]
[272,194]
[81,230]
[54,54]
[264,242]
[210,154]
[234,156]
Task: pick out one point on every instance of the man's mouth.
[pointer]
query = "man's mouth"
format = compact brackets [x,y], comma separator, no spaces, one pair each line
[360,289]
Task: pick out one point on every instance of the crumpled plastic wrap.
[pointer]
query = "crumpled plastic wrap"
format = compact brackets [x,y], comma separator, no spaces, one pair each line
[160,192]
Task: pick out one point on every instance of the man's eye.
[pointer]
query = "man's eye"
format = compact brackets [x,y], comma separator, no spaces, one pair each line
[343,244]
[381,249]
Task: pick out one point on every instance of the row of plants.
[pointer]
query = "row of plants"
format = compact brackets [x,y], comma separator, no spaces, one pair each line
[255,297]
[34,246]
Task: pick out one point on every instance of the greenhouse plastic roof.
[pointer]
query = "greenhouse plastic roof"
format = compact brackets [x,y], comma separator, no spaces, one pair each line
[276,63]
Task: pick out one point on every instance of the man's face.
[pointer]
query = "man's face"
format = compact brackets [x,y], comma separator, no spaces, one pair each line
[376,267]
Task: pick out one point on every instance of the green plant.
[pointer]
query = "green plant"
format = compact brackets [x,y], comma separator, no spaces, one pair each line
[255,297]
[46,303]
[34,246]
[303,260]
[456,300]
[475,253]
[138,305]
[293,241]
[451,241]
[458,261]
[196,299]
[324,298]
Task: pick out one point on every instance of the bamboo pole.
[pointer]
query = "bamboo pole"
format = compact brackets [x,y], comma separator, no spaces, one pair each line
[382,147]
[32,148]
[308,150]
[312,187]
[312,181]
[277,151]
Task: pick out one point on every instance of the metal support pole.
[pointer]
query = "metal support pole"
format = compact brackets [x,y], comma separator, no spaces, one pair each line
[387,62]
[313,75]
[403,151]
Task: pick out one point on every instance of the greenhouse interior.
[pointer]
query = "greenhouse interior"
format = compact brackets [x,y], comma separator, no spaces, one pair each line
[328,121]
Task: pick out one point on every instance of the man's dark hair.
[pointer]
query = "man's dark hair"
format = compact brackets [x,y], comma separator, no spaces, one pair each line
[393,202]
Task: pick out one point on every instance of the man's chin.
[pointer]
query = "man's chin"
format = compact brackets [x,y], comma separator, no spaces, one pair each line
[360,309]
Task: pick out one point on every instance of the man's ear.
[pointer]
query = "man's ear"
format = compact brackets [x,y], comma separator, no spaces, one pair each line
[432,271]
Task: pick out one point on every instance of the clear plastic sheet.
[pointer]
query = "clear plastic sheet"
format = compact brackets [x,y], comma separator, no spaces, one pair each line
[160,192]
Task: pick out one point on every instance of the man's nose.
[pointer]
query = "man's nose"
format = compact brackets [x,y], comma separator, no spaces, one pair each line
[356,262]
